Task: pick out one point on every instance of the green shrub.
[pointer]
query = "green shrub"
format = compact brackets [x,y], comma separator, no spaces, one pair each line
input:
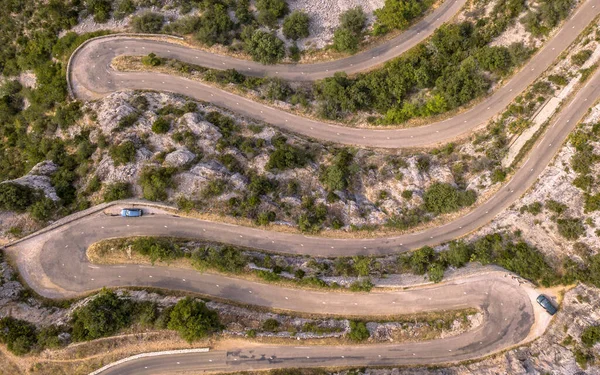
[117,191]
[102,316]
[358,331]
[270,325]
[421,259]
[590,336]
[15,197]
[362,285]
[407,194]
[149,23]
[161,125]
[151,60]
[123,153]
[397,14]
[19,336]
[214,26]
[443,198]
[123,8]
[43,209]
[287,156]
[581,57]
[295,25]
[349,33]
[337,175]
[555,206]
[100,9]
[265,47]
[155,181]
[226,259]
[193,320]
[160,249]
[436,272]
[271,10]
[570,228]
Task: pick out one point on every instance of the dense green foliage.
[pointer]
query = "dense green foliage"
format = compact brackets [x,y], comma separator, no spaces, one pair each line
[295,25]
[193,320]
[349,33]
[398,14]
[264,47]
[155,248]
[441,198]
[547,16]
[451,65]
[149,23]
[14,197]
[19,336]
[161,125]
[337,175]
[590,336]
[269,11]
[103,316]
[117,191]
[123,153]
[155,181]
[286,156]
[358,331]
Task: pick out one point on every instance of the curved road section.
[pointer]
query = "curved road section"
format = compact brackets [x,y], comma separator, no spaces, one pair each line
[55,265]
[92,76]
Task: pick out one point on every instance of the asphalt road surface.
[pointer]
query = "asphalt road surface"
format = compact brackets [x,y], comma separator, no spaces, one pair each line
[92,77]
[61,269]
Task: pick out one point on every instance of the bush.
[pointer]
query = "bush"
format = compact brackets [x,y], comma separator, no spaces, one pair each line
[285,157]
[123,8]
[443,198]
[43,209]
[149,23]
[226,259]
[160,249]
[407,194]
[193,320]
[349,34]
[397,14]
[555,206]
[581,57]
[123,153]
[271,10]
[155,181]
[100,9]
[117,191]
[18,335]
[151,60]
[15,197]
[590,336]
[421,259]
[337,175]
[295,26]
[570,228]
[215,25]
[161,125]
[270,325]
[362,285]
[102,316]
[128,120]
[358,331]
[436,272]
[265,47]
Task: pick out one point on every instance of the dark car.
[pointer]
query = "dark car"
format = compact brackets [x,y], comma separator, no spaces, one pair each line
[132,212]
[546,304]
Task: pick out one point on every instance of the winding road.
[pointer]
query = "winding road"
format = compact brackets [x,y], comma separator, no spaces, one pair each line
[55,265]
[92,76]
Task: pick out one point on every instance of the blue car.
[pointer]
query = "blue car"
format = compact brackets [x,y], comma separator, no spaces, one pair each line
[132,212]
[546,304]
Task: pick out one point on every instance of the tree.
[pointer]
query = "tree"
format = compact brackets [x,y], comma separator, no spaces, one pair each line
[102,316]
[295,25]
[193,320]
[149,23]
[43,209]
[15,197]
[421,259]
[150,60]
[265,47]
[436,272]
[123,8]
